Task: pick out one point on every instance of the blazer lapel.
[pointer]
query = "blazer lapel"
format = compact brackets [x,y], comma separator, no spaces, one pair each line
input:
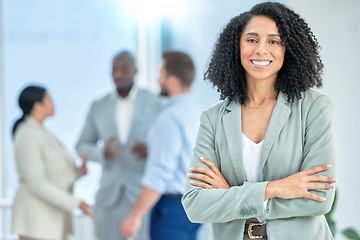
[278,119]
[111,118]
[232,128]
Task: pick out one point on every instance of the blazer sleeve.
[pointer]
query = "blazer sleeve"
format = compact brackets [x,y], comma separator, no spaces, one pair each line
[219,205]
[318,150]
[88,140]
[31,170]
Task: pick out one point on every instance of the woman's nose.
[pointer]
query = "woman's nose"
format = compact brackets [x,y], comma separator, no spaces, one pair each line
[261,48]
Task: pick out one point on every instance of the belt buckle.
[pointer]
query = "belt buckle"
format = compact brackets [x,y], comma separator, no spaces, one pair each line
[250,231]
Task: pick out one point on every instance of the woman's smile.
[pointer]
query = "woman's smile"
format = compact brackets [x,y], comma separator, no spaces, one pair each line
[262,64]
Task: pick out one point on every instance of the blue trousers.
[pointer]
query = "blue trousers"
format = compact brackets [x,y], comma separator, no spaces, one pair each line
[170,222]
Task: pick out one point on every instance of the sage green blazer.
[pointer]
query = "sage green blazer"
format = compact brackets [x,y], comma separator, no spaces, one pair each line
[299,136]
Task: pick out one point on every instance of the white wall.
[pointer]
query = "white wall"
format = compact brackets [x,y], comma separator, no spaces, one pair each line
[67,46]
[336,24]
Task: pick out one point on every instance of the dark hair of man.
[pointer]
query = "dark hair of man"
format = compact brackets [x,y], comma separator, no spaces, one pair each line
[124,55]
[28,97]
[180,65]
[302,67]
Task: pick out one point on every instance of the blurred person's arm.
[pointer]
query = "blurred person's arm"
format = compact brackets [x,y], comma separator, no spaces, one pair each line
[89,139]
[82,169]
[164,148]
[146,201]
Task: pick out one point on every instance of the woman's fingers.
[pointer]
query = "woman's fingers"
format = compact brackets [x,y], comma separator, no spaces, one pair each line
[200,177]
[313,196]
[210,164]
[315,186]
[321,178]
[208,177]
[203,170]
[87,210]
[299,184]
[201,184]
[91,215]
[317,169]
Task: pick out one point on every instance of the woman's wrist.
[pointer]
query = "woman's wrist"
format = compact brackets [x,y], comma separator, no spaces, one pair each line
[270,190]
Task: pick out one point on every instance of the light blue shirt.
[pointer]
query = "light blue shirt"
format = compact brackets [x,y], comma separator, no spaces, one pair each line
[170,144]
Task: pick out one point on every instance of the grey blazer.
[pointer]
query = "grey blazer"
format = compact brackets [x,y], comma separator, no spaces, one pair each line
[121,178]
[299,137]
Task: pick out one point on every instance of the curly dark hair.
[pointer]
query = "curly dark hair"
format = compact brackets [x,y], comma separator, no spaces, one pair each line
[302,67]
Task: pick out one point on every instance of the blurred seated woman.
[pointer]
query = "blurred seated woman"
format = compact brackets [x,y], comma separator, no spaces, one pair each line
[43,202]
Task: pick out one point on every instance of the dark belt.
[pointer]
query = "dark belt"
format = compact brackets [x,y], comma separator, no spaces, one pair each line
[255,230]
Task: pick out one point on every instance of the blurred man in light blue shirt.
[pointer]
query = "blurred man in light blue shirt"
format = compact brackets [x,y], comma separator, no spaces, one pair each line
[170,144]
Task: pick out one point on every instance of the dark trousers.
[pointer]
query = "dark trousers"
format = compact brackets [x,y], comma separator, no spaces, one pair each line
[169,221]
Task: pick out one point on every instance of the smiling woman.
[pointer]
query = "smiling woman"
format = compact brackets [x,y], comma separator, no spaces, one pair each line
[302,67]
[261,166]
[261,51]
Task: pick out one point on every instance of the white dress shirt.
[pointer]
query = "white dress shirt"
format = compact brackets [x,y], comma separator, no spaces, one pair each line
[124,110]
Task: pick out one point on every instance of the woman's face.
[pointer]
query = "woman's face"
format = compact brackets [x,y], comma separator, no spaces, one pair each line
[261,52]
[47,106]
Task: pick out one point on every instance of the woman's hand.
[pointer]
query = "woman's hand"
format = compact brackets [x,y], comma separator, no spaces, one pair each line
[298,184]
[87,210]
[82,170]
[212,178]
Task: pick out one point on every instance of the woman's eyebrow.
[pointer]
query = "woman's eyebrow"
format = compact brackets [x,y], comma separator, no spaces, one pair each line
[252,33]
[274,35]
[269,35]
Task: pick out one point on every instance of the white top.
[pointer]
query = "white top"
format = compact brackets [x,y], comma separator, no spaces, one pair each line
[251,160]
[124,111]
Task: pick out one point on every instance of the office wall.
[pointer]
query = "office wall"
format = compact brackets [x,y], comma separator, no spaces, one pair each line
[336,24]
[67,46]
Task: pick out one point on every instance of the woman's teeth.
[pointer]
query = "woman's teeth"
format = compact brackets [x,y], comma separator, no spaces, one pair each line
[260,63]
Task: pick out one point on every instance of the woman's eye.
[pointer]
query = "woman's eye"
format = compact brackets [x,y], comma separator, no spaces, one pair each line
[250,40]
[274,42]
